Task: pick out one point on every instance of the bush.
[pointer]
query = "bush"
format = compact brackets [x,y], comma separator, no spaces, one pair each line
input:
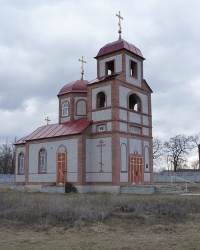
[69,188]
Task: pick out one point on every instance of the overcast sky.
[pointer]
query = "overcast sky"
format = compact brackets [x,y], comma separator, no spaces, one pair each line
[42,40]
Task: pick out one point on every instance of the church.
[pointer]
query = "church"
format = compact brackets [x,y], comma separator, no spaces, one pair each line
[103,138]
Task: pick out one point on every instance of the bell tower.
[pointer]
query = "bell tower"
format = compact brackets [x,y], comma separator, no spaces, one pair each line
[119,104]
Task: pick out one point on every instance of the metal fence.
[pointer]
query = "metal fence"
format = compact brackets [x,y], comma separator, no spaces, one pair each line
[166,176]
[6,178]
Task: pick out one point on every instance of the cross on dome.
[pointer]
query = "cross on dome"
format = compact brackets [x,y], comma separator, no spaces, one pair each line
[119,23]
[82,67]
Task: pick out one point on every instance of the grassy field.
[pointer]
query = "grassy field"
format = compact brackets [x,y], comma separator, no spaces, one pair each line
[98,221]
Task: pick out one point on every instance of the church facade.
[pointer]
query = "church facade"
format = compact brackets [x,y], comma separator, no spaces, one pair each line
[103,139]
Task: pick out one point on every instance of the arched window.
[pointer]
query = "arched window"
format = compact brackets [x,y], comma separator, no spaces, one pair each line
[123,157]
[42,160]
[65,109]
[101,100]
[81,107]
[21,163]
[134,102]
[146,157]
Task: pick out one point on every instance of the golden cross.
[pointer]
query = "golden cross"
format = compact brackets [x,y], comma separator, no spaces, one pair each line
[119,23]
[82,67]
[47,120]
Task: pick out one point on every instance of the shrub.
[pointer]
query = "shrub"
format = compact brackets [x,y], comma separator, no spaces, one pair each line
[69,188]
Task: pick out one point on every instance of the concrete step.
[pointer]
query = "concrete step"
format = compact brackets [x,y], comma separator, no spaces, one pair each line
[169,189]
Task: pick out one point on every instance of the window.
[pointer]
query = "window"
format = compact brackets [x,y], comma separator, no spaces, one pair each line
[81,107]
[135,130]
[110,67]
[42,160]
[134,102]
[123,157]
[65,109]
[21,163]
[101,100]
[133,69]
[101,128]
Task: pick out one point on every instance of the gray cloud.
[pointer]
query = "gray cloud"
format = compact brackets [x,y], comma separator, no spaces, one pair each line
[41,42]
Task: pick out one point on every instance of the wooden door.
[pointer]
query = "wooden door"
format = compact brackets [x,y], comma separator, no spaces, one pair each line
[61,168]
[136,170]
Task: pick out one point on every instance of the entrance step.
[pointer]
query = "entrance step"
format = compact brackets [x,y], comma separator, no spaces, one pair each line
[169,189]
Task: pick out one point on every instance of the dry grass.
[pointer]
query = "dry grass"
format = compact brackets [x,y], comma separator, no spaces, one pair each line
[98,221]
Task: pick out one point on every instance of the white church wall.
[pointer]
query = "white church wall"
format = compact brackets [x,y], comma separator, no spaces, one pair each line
[118,64]
[109,126]
[129,78]
[98,177]
[123,92]
[135,145]
[72,177]
[146,131]
[20,178]
[107,90]
[147,177]
[123,115]
[145,120]
[123,126]
[42,177]
[51,148]
[101,115]
[123,177]
[95,155]
[134,117]
[144,99]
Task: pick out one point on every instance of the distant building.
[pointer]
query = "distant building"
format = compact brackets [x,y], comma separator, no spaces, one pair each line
[103,138]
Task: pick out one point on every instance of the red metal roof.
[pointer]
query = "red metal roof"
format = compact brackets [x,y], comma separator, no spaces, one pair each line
[75,86]
[56,130]
[102,78]
[118,45]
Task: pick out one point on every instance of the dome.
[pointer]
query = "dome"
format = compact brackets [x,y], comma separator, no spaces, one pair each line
[118,45]
[75,86]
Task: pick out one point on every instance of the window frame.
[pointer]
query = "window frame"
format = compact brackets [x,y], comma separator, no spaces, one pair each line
[99,102]
[108,65]
[42,157]
[133,69]
[21,161]
[138,102]
[85,107]
[98,130]
[65,108]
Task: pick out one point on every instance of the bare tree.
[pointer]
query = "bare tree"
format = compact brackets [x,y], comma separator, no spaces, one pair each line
[196,140]
[157,148]
[7,152]
[177,148]
[195,164]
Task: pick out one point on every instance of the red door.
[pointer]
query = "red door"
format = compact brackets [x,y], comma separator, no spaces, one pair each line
[61,169]
[136,173]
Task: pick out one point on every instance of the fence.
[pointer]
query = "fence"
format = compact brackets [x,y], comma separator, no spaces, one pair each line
[6,178]
[166,176]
